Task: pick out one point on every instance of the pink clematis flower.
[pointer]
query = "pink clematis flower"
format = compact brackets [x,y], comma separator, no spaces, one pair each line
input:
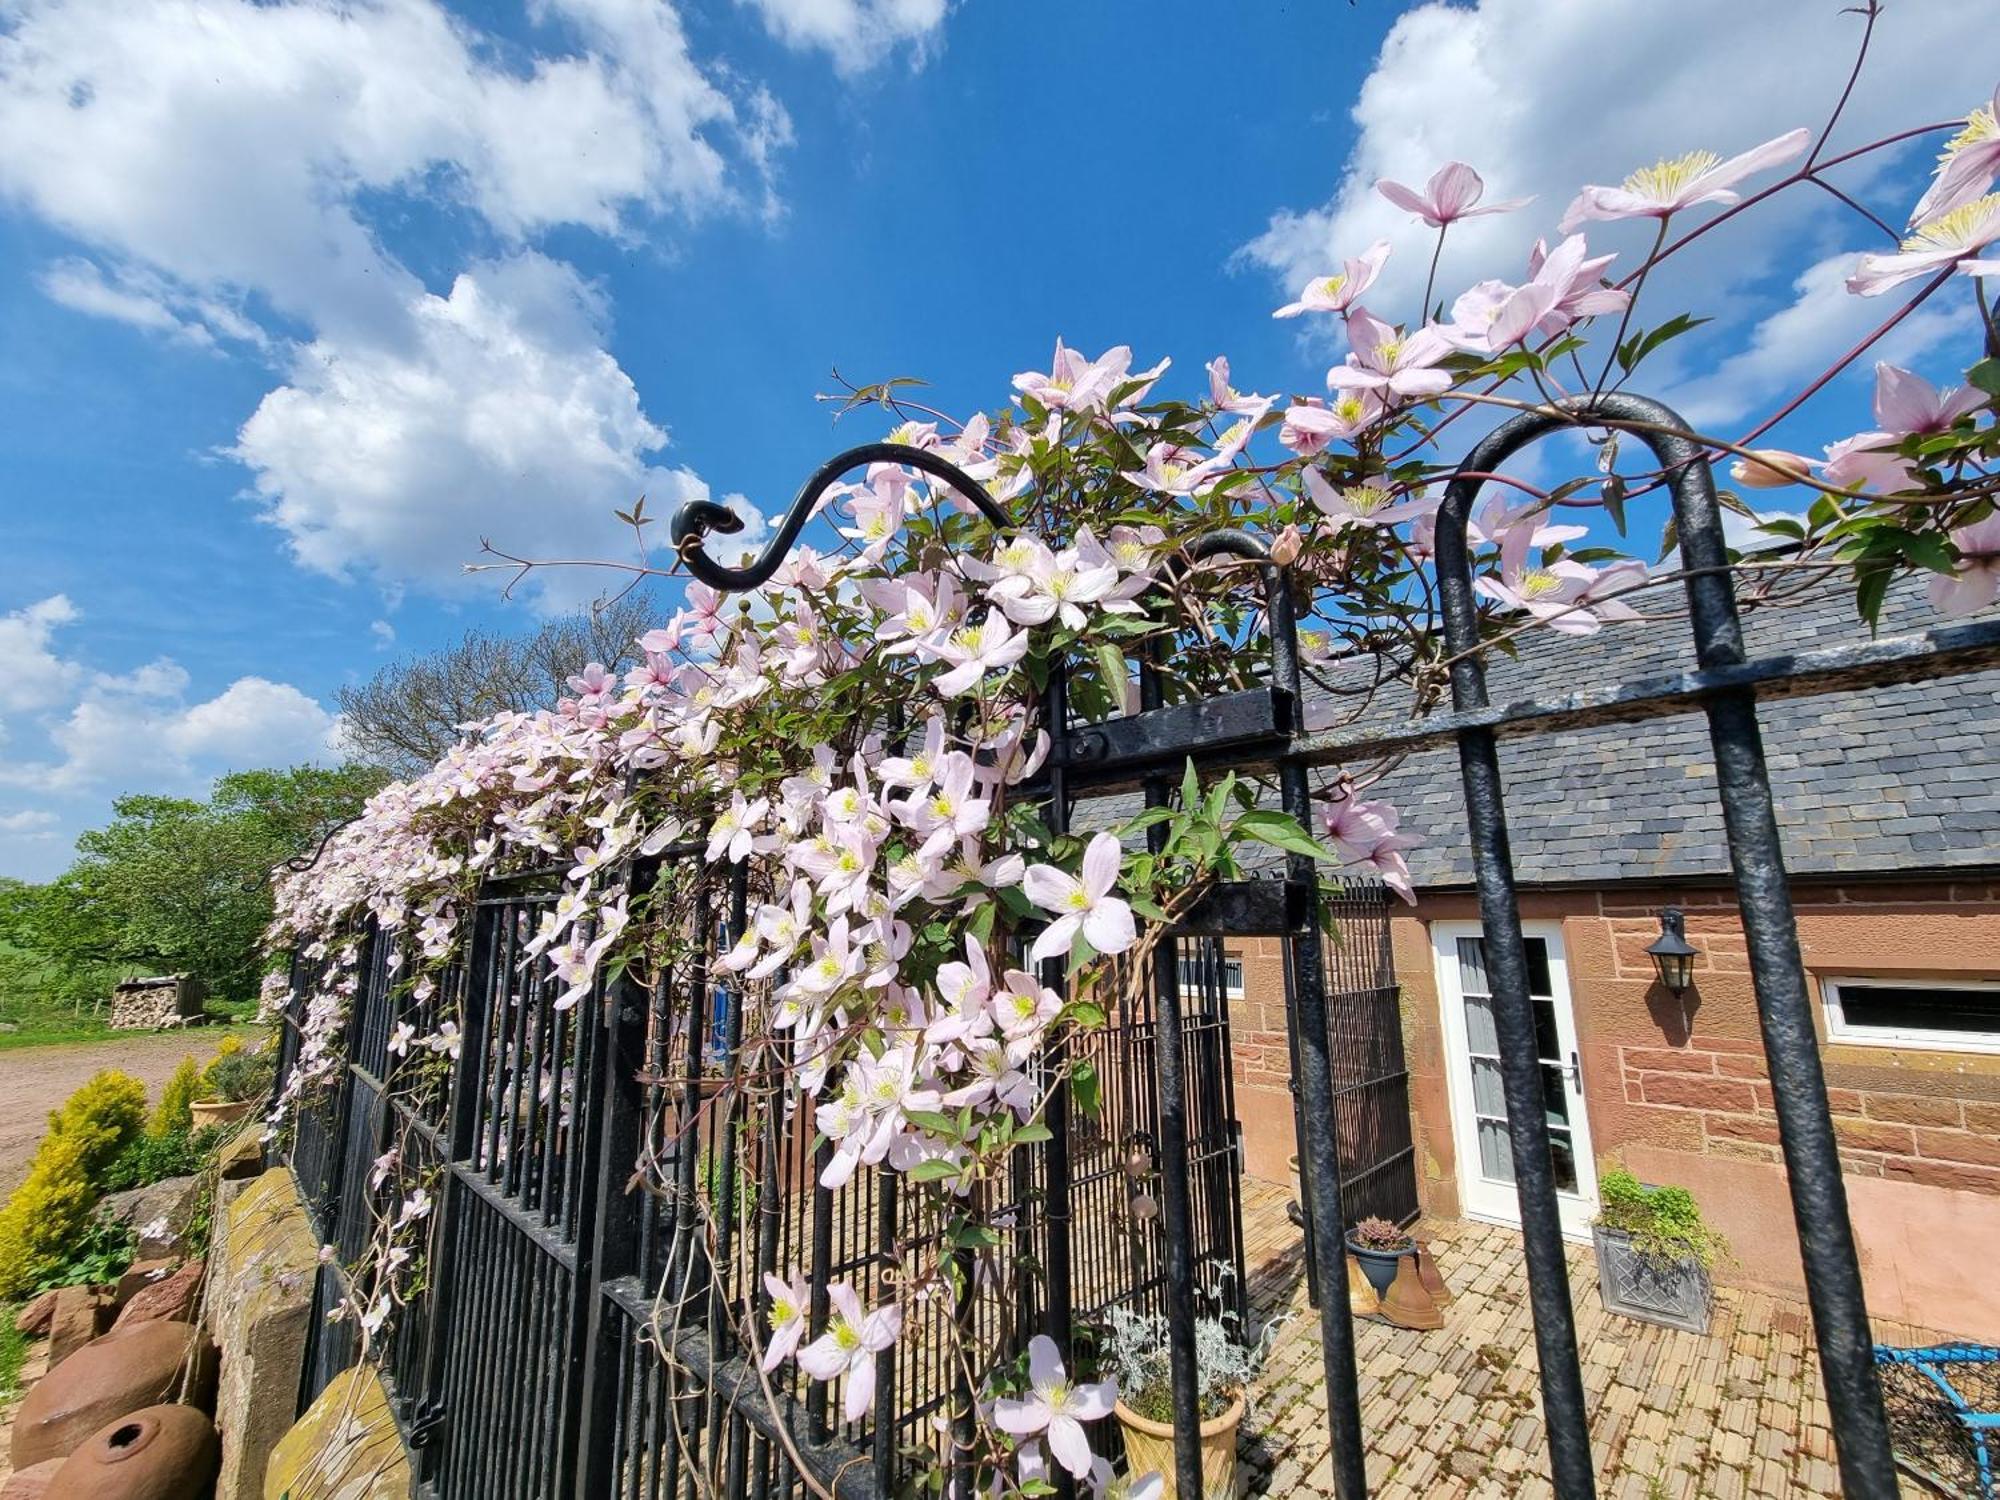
[1056,1407]
[1868,461]
[1227,397]
[1337,293]
[1078,384]
[1771,469]
[1364,833]
[1313,424]
[1386,360]
[1951,239]
[1976,583]
[1367,505]
[1970,162]
[790,1303]
[1450,195]
[849,1346]
[976,650]
[1905,402]
[1084,905]
[1667,187]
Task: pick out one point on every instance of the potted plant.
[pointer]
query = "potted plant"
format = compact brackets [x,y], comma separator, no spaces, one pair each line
[232,1085]
[1654,1253]
[1379,1245]
[1135,1354]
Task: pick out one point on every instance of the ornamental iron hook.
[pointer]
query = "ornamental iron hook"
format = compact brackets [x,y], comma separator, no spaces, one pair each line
[696,520]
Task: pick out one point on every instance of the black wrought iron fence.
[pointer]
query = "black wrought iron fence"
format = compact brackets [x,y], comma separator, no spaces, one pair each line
[582,1335]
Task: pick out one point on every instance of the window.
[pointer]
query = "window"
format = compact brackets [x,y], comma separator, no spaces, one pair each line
[1196,969]
[1949,1015]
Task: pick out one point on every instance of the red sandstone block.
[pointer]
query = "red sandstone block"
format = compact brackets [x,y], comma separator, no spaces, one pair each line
[1943,1174]
[1740,1065]
[1686,1091]
[1741,1128]
[1709,1043]
[1914,1109]
[1982,1116]
[1677,1061]
[1871,1135]
[1959,1145]
[1843,1101]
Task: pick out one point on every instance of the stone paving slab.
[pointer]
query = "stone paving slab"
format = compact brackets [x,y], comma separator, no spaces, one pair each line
[1456,1412]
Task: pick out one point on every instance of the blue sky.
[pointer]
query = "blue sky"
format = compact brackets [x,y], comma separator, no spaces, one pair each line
[301,300]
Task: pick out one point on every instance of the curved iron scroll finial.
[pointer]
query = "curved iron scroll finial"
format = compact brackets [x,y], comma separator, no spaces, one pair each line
[696,520]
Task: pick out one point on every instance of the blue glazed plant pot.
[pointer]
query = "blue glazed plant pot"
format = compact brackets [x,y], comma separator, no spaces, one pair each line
[1379,1266]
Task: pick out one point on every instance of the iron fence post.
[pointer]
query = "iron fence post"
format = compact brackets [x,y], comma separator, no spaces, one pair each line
[1563,1405]
[1176,1211]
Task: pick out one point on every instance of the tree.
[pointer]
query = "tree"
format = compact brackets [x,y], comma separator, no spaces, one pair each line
[175,885]
[411,712]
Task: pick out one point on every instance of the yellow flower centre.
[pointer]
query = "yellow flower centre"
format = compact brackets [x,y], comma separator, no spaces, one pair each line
[783,1311]
[972,639]
[1980,126]
[1539,581]
[1966,227]
[1388,351]
[943,807]
[920,766]
[1366,499]
[1078,900]
[827,969]
[1664,181]
[1131,555]
[1024,1005]
[1329,286]
[1060,584]
[1348,408]
[846,1336]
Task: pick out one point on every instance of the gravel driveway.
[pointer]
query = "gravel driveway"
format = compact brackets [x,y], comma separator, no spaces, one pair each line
[36,1080]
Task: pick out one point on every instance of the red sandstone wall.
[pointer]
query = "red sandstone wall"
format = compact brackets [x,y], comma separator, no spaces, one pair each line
[1681,1095]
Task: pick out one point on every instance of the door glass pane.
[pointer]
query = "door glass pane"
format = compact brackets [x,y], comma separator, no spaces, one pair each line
[1555,1096]
[1562,1156]
[1539,982]
[1480,1037]
[1496,1155]
[1472,966]
[1548,1045]
[1489,1096]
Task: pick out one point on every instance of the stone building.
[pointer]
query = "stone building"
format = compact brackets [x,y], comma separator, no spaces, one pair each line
[1889,804]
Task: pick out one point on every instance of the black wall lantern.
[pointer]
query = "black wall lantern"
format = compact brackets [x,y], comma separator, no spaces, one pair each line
[1673,954]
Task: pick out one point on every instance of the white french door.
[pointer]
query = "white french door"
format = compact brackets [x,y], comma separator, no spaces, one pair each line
[1472,1068]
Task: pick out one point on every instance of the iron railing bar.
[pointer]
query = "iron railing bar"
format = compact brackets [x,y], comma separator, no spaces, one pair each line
[1944,651]
[1176,1209]
[1319,1154]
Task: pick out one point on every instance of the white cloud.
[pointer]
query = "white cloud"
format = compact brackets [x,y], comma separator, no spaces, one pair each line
[1543,96]
[1792,345]
[32,823]
[31,674]
[384,633]
[856,34]
[501,417]
[251,720]
[216,157]
[224,143]
[122,733]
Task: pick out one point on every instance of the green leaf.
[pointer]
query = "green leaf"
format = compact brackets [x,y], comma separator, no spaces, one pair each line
[1085,1088]
[932,1171]
[937,1124]
[1985,376]
[1087,1014]
[1280,831]
[1031,1135]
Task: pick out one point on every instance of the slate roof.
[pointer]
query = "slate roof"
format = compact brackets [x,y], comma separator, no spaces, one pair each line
[1899,780]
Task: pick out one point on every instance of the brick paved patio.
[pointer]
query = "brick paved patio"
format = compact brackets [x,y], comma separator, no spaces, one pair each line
[1456,1412]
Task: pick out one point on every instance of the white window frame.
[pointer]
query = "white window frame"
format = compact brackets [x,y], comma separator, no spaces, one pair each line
[1229,960]
[1916,1039]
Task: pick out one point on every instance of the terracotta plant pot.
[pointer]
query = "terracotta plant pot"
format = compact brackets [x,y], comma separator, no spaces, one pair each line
[1149,1449]
[159,1453]
[216,1112]
[125,1370]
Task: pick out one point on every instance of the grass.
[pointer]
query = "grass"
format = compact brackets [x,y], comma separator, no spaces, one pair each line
[199,1038]
[13,1354]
